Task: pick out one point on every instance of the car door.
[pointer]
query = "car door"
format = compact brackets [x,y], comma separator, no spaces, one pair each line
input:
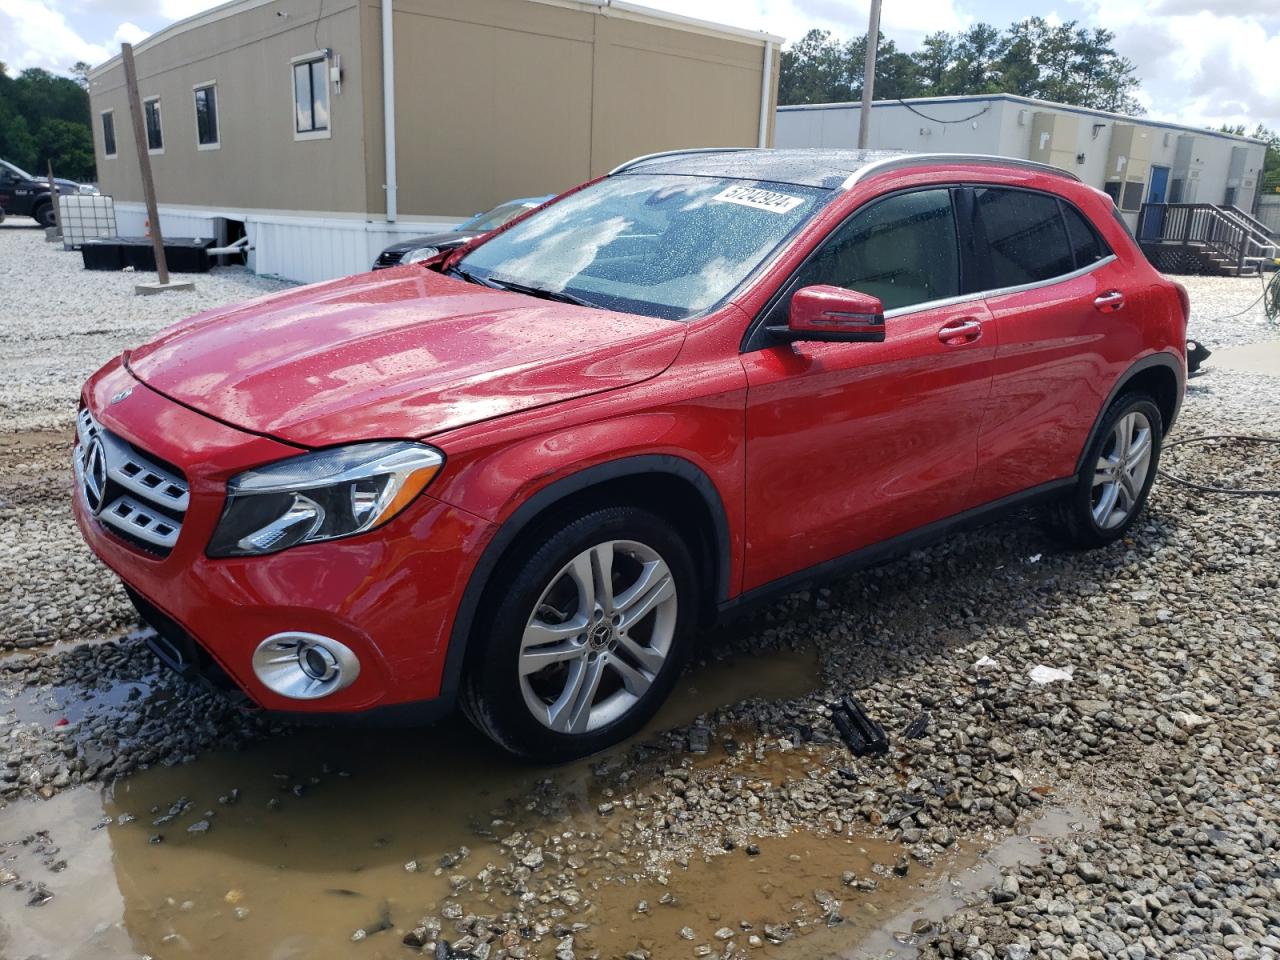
[8,184]
[1056,301]
[849,444]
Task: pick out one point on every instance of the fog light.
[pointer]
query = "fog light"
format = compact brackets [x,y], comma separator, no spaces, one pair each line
[304,666]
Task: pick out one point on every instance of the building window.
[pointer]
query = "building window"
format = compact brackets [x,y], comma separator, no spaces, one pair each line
[155,136]
[206,98]
[108,133]
[311,97]
[1132,198]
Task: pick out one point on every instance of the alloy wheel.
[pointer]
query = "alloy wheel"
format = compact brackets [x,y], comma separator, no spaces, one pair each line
[598,636]
[1121,471]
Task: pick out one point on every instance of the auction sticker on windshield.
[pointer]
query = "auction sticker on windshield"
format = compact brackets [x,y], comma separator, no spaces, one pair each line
[759,199]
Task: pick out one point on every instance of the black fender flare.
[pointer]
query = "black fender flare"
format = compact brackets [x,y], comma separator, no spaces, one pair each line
[1160,359]
[552,493]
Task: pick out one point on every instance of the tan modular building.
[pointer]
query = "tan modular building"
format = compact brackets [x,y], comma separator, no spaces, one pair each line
[325,129]
[1137,161]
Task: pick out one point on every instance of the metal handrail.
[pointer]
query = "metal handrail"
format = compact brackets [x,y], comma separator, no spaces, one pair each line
[1265,247]
[1200,224]
[1257,225]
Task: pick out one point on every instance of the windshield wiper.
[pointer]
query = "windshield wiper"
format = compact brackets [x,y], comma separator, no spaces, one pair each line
[471,278]
[558,295]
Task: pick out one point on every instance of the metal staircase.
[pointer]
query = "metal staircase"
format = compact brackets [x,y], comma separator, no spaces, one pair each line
[1204,238]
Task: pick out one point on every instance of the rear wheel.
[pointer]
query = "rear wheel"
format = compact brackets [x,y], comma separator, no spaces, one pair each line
[588,635]
[1117,474]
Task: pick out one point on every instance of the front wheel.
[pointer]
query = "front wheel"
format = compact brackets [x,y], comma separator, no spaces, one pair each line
[587,637]
[1115,480]
[43,215]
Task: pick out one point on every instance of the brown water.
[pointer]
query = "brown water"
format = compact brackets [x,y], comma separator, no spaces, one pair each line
[315,845]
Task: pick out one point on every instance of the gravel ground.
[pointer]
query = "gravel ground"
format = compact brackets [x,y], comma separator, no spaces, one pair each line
[59,323]
[1165,716]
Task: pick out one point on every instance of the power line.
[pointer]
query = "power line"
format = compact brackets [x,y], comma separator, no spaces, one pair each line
[940,120]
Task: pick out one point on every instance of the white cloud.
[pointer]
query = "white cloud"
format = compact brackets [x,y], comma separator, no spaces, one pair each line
[1199,66]
[36,34]
[905,23]
[181,9]
[128,33]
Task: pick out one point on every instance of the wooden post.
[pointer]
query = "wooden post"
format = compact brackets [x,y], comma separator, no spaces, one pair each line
[144,160]
[54,196]
[869,76]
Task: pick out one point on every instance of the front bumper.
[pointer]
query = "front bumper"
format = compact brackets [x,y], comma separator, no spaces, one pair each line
[390,595]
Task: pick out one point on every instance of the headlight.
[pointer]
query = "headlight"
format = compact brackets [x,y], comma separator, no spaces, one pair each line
[321,496]
[87,188]
[419,253]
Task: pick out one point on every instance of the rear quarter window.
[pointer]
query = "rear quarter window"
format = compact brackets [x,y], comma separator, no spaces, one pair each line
[1087,247]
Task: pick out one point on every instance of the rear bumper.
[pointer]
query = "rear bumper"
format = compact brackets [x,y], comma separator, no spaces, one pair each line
[389,595]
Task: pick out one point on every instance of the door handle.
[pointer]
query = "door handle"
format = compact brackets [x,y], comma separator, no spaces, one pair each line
[959,332]
[1109,302]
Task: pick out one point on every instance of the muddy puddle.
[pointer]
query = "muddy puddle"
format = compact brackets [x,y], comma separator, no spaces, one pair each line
[330,844]
[309,836]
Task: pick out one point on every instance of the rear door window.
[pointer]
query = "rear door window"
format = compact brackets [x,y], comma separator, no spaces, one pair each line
[1026,236]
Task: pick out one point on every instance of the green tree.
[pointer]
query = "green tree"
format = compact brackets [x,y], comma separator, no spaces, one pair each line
[69,146]
[1064,62]
[43,118]
[932,61]
[977,62]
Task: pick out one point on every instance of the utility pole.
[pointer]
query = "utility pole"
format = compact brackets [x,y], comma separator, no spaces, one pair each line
[57,204]
[869,75]
[148,184]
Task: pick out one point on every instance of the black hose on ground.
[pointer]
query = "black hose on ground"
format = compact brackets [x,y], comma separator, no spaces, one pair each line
[1206,488]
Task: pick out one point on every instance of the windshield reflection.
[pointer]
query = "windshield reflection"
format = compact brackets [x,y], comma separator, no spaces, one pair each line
[661,245]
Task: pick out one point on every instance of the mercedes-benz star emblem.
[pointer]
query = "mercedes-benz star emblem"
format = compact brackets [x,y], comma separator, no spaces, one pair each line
[95,474]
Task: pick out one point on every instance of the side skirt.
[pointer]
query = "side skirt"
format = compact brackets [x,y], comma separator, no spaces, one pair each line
[894,546]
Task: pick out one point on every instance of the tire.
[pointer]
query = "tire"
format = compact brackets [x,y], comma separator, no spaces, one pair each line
[44,215]
[584,679]
[1109,496]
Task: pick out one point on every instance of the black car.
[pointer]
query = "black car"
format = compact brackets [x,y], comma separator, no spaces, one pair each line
[24,195]
[423,248]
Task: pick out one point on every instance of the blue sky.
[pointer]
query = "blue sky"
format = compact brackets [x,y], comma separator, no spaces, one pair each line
[1201,61]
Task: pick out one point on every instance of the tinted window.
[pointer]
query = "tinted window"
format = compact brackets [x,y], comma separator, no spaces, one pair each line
[207,116]
[310,97]
[155,139]
[108,133]
[1025,234]
[1086,246]
[901,249]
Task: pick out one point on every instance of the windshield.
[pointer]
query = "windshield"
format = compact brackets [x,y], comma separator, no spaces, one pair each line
[16,170]
[492,219]
[658,244]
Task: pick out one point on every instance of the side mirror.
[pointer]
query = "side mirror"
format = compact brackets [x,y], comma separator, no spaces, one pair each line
[833,315]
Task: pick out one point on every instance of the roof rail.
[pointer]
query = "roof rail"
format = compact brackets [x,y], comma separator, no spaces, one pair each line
[913,159]
[664,154]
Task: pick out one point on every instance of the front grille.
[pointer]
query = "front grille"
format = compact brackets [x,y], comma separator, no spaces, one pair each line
[389,258]
[140,498]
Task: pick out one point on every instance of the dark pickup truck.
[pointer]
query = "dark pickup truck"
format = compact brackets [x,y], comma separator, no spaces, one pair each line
[22,195]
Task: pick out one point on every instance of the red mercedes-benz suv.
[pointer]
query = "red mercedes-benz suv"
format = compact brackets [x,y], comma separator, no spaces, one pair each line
[522,474]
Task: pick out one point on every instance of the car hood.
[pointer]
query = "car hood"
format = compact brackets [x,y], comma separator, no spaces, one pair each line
[400,353]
